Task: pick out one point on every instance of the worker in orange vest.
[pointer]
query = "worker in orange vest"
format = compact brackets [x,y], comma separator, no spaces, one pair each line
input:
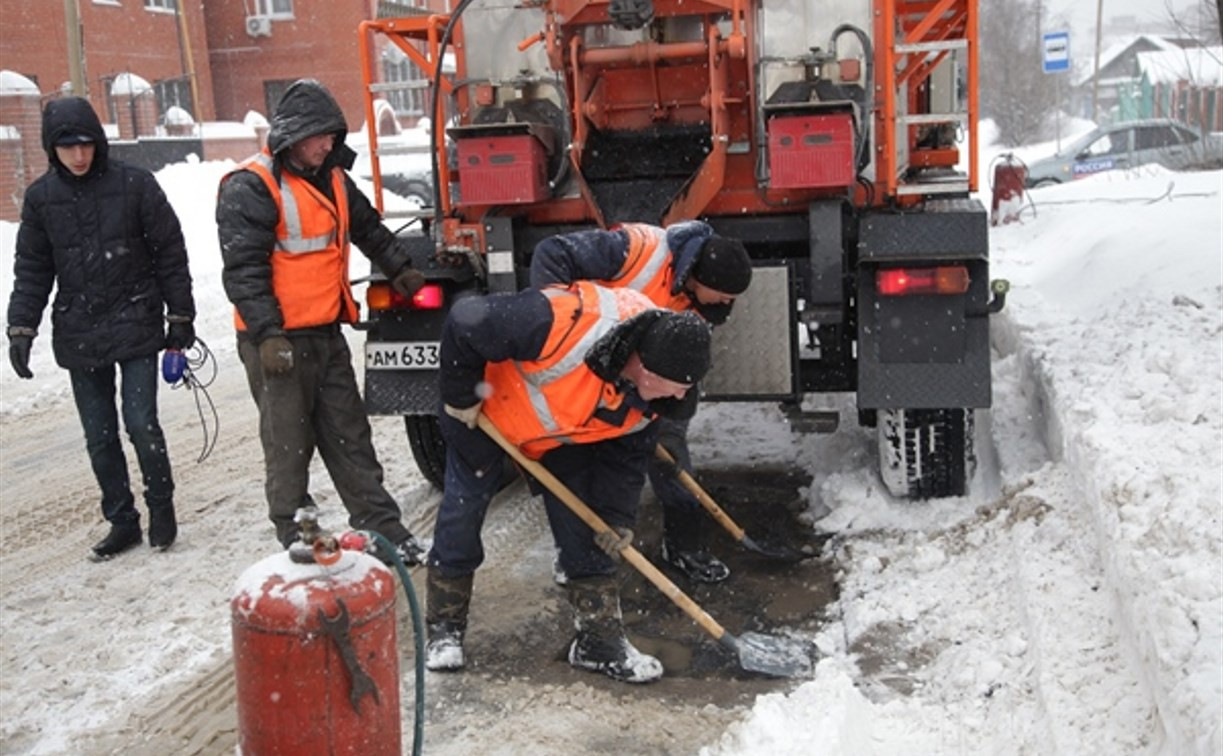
[685,266]
[573,377]
[285,218]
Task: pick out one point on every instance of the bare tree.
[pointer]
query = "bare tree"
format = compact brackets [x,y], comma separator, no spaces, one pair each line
[1015,92]
[1200,21]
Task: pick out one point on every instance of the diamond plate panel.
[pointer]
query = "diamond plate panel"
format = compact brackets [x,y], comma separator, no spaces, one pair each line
[401,392]
[954,228]
[754,351]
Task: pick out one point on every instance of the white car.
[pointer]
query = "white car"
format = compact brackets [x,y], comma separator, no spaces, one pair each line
[1127,145]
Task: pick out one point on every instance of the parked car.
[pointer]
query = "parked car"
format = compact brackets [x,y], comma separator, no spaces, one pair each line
[1127,145]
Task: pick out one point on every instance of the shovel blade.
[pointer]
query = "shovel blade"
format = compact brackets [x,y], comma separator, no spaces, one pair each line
[775,552]
[773,656]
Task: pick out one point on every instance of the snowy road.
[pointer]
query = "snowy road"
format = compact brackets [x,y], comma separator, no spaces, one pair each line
[1072,604]
[158,623]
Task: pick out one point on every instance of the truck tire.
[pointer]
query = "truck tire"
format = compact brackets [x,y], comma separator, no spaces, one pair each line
[428,447]
[926,454]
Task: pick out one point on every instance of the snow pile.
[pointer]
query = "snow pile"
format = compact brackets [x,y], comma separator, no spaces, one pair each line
[1081,609]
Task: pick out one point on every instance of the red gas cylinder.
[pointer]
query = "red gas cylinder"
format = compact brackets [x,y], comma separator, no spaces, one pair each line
[316,659]
[1010,175]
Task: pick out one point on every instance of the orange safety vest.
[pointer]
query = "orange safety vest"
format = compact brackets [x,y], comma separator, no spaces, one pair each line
[556,398]
[310,259]
[647,267]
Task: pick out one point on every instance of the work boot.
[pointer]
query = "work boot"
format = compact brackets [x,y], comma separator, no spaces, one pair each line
[698,565]
[122,536]
[446,603]
[683,536]
[558,573]
[163,527]
[600,644]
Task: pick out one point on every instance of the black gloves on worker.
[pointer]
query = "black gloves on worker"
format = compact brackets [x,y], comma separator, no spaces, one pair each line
[19,353]
[408,281]
[276,355]
[181,335]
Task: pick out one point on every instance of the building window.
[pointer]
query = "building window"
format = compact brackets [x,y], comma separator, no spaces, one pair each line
[273,90]
[273,8]
[173,93]
[408,98]
[161,5]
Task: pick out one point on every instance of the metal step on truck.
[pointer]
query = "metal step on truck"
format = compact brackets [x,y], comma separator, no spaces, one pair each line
[836,138]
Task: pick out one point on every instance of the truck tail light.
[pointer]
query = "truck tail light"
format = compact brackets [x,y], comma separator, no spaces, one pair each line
[899,282]
[382,296]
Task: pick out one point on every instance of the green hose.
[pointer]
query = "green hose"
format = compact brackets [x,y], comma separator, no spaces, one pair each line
[418,632]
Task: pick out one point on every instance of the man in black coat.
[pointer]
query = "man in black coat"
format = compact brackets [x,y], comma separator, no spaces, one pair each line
[103,234]
[284,219]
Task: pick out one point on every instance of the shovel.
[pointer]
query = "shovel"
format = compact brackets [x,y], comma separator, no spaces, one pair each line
[769,655]
[781,553]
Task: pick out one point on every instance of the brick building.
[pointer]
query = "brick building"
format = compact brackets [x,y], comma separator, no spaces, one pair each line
[215,61]
[153,39]
[254,56]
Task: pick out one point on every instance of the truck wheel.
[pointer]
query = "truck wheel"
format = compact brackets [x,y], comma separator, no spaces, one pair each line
[428,447]
[926,454]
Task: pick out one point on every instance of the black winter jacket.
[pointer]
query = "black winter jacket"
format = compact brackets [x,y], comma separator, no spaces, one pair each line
[247,214]
[111,245]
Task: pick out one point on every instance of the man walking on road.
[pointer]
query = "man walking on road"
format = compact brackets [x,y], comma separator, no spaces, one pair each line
[683,267]
[284,218]
[573,377]
[103,234]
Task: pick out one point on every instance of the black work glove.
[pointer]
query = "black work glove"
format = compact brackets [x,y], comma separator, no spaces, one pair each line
[19,354]
[181,336]
[276,355]
[408,281]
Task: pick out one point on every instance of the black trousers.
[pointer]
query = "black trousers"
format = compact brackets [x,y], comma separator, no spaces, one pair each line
[316,405]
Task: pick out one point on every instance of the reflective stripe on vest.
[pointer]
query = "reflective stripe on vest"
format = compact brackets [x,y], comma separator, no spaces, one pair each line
[544,403]
[647,267]
[294,241]
[310,259]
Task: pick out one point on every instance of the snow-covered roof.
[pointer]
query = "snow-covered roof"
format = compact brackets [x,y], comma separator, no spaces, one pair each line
[129,84]
[1202,66]
[12,83]
[1119,47]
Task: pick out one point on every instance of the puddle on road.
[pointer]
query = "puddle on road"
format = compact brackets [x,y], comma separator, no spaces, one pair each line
[762,595]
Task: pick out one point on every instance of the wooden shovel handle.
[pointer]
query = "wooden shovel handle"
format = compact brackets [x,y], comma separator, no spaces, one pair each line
[695,489]
[630,554]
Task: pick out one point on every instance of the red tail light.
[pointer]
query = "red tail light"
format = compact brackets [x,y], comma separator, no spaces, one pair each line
[382,296]
[899,282]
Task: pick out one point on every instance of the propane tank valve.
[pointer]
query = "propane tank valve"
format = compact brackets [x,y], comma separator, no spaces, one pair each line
[314,545]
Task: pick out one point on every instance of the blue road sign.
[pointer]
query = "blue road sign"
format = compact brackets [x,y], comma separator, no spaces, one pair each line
[1056,52]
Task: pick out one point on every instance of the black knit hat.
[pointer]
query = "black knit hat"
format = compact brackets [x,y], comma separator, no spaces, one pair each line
[676,347]
[723,265]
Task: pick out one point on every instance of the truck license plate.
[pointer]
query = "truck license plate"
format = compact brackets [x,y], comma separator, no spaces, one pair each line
[403,355]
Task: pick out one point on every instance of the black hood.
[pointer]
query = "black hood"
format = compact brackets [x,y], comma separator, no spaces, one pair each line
[73,115]
[307,109]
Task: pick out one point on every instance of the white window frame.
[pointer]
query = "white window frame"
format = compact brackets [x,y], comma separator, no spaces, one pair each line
[267,9]
[161,6]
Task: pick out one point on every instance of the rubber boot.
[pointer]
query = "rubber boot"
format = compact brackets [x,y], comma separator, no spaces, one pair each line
[600,644]
[447,601]
[683,547]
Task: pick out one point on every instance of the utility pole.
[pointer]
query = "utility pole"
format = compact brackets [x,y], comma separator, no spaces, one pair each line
[76,51]
[1095,79]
